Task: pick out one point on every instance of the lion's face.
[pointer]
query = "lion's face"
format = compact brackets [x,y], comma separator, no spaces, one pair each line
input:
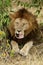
[20,26]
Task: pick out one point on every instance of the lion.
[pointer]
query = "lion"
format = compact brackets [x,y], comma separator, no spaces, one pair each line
[23,30]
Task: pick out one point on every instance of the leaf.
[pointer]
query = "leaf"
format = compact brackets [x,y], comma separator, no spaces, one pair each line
[18,3]
[12,53]
[7,2]
[0,3]
[4,54]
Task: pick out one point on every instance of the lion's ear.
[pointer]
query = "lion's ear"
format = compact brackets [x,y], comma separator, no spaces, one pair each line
[11,15]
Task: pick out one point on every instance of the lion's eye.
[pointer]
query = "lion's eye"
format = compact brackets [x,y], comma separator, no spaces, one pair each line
[23,24]
[17,23]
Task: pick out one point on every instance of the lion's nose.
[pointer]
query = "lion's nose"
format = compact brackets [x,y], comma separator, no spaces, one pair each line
[19,30]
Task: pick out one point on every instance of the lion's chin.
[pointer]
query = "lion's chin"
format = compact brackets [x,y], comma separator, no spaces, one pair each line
[20,36]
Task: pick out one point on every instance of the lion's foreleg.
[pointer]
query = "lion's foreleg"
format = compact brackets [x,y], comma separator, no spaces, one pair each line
[15,46]
[24,51]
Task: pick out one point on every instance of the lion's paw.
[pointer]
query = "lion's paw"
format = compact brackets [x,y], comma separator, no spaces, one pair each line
[23,53]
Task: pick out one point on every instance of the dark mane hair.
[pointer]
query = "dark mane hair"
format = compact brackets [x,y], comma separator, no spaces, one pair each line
[23,13]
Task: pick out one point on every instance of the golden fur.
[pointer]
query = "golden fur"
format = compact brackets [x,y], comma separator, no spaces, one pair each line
[23,29]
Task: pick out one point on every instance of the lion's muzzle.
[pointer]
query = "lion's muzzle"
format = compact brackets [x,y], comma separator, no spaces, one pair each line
[19,35]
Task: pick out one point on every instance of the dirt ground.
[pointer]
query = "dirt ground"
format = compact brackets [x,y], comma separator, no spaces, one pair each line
[35,57]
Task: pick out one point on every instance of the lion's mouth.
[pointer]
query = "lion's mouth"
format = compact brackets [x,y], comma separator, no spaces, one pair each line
[19,36]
